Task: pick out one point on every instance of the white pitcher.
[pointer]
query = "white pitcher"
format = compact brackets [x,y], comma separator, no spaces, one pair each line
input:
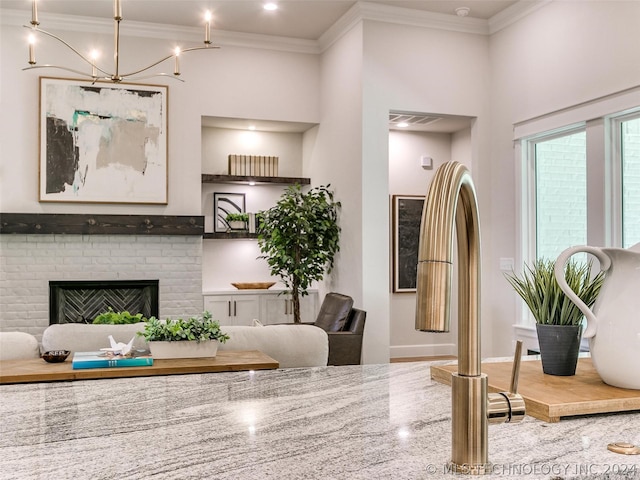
[613,328]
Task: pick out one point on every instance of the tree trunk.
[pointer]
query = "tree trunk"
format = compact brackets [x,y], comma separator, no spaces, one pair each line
[295,297]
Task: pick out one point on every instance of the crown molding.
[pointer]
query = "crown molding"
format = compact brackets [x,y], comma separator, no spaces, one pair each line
[512,14]
[130,28]
[359,12]
[400,16]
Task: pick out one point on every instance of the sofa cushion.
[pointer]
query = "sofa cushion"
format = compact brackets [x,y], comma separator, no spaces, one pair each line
[18,346]
[291,345]
[82,337]
[334,312]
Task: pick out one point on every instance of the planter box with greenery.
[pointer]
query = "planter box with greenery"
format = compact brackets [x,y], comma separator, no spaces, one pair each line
[118,318]
[299,237]
[237,221]
[192,338]
[558,320]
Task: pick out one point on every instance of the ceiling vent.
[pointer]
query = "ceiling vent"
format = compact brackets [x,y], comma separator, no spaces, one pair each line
[411,121]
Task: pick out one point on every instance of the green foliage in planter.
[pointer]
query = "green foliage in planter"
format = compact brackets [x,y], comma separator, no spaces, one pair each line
[299,238]
[549,305]
[118,318]
[237,217]
[195,328]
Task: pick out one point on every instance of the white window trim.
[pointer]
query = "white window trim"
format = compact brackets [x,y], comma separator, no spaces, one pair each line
[601,117]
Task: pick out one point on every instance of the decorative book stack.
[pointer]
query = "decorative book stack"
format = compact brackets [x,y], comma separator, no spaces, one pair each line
[253,165]
[82,360]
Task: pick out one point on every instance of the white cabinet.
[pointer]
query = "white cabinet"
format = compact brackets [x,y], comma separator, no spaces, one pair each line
[233,309]
[269,307]
[279,308]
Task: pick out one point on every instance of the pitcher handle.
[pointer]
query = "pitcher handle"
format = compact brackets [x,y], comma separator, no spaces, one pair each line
[561,262]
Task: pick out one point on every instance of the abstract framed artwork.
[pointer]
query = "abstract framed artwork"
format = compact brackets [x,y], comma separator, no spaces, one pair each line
[224,204]
[406,217]
[103,142]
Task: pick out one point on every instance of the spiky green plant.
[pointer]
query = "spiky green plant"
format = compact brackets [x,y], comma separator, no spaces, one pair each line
[548,304]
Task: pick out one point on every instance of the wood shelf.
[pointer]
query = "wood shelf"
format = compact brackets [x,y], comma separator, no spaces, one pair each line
[245,179]
[229,235]
[55,223]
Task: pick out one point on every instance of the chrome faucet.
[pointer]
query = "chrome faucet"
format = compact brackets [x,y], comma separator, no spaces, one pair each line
[452,198]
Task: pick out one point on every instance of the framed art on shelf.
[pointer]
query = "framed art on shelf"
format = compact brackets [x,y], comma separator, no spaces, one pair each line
[102,142]
[224,204]
[406,217]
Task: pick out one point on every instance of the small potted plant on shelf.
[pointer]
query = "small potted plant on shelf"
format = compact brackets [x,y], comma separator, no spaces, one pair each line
[558,320]
[237,221]
[190,338]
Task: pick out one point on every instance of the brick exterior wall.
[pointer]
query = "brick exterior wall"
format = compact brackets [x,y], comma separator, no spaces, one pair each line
[28,262]
[561,201]
[631,182]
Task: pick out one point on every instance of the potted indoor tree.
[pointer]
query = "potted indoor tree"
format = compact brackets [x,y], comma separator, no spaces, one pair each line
[190,338]
[299,238]
[558,320]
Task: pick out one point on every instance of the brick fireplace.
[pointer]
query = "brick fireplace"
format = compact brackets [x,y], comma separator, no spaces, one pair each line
[28,262]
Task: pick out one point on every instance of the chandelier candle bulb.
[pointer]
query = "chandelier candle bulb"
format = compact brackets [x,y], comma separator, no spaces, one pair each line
[176,70]
[207,34]
[34,13]
[32,54]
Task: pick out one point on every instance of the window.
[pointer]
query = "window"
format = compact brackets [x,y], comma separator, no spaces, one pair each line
[560,166]
[630,159]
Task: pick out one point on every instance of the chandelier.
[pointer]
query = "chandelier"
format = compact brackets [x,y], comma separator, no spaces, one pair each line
[97,73]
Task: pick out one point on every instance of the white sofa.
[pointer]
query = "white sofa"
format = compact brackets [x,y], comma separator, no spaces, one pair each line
[18,346]
[291,345]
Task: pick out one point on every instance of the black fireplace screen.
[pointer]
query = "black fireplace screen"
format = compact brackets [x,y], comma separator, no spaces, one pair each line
[82,301]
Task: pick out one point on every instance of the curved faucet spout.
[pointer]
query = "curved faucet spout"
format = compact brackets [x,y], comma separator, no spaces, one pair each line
[451,198]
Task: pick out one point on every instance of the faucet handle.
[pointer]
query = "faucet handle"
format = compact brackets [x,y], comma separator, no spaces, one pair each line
[515,370]
[508,407]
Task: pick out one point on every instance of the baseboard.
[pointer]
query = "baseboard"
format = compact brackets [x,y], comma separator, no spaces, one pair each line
[433,350]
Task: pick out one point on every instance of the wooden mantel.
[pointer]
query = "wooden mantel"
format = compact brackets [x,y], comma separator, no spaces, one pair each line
[66,223]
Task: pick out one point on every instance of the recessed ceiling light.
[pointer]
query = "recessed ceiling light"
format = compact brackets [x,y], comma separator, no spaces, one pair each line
[402,125]
[252,127]
[270,6]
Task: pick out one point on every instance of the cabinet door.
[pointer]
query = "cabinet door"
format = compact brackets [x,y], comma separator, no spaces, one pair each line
[245,308]
[233,309]
[279,308]
[276,309]
[220,308]
[309,307]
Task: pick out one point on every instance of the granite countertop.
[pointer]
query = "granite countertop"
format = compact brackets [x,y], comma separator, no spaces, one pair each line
[366,422]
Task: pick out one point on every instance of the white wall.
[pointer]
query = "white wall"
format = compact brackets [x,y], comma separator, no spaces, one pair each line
[407,177]
[560,55]
[409,69]
[230,82]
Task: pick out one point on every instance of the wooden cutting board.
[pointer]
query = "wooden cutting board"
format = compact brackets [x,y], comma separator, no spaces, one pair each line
[549,397]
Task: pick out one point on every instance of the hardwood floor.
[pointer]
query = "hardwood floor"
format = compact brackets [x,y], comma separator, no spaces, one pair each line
[422,359]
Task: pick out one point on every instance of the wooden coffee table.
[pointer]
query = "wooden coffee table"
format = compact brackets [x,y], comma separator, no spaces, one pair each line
[37,370]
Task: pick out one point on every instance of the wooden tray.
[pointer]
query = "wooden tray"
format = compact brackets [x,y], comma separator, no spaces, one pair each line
[254,285]
[549,397]
[37,370]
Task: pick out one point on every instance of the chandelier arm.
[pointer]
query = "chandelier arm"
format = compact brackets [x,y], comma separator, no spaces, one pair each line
[78,72]
[70,47]
[127,75]
[168,75]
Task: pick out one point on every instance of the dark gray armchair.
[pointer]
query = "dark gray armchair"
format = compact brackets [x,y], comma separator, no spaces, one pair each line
[345,346]
[344,326]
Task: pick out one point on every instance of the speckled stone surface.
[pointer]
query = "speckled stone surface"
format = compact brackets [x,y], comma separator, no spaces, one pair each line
[360,422]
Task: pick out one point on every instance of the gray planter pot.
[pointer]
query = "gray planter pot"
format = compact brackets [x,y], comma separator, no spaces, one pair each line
[559,348]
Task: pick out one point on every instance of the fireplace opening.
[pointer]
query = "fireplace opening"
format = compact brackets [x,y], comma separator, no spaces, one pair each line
[81,301]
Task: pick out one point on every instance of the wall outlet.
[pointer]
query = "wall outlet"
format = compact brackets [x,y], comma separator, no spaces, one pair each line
[506,264]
